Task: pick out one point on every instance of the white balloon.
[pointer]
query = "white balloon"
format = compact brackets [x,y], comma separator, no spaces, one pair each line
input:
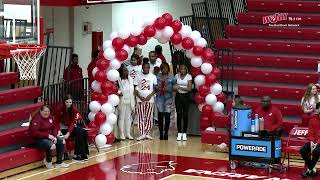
[167,32]
[189,53]
[94,71]
[136,31]
[158,34]
[178,46]
[101,140]
[112,119]
[115,64]
[216,89]
[196,61]
[218,107]
[94,106]
[107,108]
[163,41]
[148,20]
[211,99]
[206,68]
[127,48]
[113,75]
[105,129]
[96,86]
[91,116]
[199,80]
[200,106]
[201,42]
[195,35]
[109,53]
[113,99]
[107,44]
[113,35]
[185,31]
[124,33]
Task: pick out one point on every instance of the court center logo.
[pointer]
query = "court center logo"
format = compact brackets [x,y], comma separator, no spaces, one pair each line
[149,168]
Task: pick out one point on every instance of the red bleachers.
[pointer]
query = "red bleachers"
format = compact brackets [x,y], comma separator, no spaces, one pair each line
[269,60]
[279,92]
[20,94]
[275,46]
[284,6]
[246,74]
[273,32]
[8,78]
[18,135]
[18,113]
[256,18]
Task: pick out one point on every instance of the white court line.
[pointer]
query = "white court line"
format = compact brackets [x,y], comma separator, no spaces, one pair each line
[198,177]
[48,170]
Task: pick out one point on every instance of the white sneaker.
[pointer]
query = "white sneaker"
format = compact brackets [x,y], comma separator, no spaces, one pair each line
[184,137]
[122,137]
[149,137]
[62,165]
[48,164]
[129,137]
[179,137]
[141,138]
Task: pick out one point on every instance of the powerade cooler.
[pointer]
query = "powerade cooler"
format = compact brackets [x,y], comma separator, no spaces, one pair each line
[247,146]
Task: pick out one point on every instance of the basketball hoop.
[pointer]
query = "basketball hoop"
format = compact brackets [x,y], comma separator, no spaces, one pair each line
[27,57]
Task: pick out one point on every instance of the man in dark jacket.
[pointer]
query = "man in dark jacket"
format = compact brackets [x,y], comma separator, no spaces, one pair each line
[310,152]
[73,73]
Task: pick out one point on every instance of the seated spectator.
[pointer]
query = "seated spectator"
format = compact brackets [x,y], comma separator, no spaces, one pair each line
[158,50]
[237,101]
[308,104]
[66,118]
[272,115]
[44,130]
[312,147]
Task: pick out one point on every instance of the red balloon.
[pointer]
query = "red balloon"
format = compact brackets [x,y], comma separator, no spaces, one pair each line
[221,97]
[114,89]
[92,125]
[132,41]
[208,55]
[195,71]
[199,99]
[100,76]
[204,90]
[103,64]
[117,43]
[207,110]
[99,118]
[217,72]
[205,122]
[210,79]
[160,23]
[176,38]
[102,98]
[106,87]
[100,55]
[149,31]
[94,96]
[142,39]
[187,43]
[121,55]
[197,50]
[176,25]
[168,18]
[110,138]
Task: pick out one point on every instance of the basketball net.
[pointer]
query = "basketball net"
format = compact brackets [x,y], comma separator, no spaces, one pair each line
[27,59]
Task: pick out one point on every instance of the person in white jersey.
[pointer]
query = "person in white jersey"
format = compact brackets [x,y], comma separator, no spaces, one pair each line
[134,69]
[145,89]
[183,88]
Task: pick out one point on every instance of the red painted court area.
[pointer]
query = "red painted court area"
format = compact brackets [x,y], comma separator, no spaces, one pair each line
[157,166]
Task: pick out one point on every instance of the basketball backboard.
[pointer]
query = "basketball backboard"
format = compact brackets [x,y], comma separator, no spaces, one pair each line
[19,21]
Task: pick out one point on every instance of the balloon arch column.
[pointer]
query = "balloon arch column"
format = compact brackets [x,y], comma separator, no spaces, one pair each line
[104,96]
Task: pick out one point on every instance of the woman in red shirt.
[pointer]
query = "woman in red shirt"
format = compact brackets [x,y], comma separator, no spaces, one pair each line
[44,130]
[67,117]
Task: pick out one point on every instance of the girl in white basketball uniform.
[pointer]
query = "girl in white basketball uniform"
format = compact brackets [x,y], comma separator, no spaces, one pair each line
[134,69]
[145,89]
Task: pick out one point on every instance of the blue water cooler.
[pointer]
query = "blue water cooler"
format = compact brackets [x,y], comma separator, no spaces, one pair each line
[240,120]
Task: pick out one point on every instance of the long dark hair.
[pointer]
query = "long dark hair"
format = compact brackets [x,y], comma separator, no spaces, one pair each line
[120,70]
[67,111]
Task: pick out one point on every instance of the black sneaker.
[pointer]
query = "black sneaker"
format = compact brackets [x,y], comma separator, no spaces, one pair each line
[305,174]
[77,158]
[66,156]
[313,174]
[84,157]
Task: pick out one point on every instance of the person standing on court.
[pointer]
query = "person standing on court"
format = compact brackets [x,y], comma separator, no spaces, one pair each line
[92,65]
[44,131]
[155,63]
[145,89]
[158,50]
[183,88]
[134,69]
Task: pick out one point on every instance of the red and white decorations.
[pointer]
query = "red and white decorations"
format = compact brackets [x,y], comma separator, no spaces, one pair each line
[119,47]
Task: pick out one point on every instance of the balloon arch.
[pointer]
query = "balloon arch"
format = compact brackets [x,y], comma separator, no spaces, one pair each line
[104,96]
